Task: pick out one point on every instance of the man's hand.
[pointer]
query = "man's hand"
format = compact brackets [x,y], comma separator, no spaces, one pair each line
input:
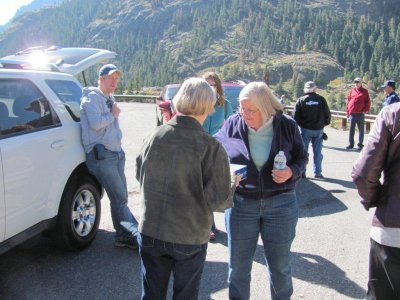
[281,176]
[115,110]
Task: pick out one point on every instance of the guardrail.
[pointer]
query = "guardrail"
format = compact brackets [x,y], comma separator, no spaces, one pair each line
[136,98]
[369,119]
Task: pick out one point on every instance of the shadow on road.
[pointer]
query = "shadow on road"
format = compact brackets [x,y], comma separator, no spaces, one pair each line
[320,271]
[316,201]
[38,270]
[342,149]
[314,269]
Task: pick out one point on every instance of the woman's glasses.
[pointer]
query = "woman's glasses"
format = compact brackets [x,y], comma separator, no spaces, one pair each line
[249,112]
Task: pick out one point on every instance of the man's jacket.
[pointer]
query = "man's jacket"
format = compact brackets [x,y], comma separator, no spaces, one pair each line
[358,101]
[381,154]
[391,98]
[312,112]
[286,137]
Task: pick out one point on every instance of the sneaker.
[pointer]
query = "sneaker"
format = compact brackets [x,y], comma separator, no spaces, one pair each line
[349,147]
[320,176]
[360,146]
[129,242]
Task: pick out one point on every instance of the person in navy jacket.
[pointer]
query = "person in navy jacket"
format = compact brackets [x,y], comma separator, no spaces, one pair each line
[265,201]
[389,88]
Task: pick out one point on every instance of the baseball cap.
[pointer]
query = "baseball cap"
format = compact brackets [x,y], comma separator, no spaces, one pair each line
[389,83]
[108,70]
[357,79]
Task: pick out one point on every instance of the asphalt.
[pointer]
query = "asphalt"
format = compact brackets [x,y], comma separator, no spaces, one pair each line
[330,251]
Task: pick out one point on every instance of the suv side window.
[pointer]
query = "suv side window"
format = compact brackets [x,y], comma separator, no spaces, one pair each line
[69,93]
[23,108]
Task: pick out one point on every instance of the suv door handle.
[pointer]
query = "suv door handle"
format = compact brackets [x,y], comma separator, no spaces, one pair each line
[57,144]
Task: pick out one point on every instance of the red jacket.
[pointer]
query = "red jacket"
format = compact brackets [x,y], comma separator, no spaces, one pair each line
[358,101]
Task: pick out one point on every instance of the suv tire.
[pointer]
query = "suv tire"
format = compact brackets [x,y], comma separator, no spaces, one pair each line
[79,214]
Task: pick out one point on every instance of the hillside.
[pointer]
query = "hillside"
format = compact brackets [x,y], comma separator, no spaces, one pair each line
[161,41]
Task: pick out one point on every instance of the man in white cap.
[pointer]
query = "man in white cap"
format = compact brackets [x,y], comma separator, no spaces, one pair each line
[101,139]
[312,114]
[358,104]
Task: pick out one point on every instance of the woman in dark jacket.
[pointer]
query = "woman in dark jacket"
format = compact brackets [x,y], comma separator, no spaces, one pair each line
[265,202]
[184,177]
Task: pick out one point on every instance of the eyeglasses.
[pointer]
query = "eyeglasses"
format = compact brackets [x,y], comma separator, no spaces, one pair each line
[248,112]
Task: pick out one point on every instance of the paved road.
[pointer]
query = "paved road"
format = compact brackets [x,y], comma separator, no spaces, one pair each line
[330,252]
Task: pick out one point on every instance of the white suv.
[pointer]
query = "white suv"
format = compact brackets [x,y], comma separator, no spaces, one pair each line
[44,182]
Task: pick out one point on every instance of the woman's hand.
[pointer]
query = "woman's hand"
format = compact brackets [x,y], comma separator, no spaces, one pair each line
[235,180]
[281,176]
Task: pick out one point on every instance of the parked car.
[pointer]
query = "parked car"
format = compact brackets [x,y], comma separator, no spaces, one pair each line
[44,182]
[232,90]
[165,109]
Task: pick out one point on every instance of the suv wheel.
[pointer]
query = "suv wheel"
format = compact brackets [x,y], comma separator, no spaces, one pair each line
[79,214]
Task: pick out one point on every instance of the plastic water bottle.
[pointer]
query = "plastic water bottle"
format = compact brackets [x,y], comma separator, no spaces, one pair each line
[280,161]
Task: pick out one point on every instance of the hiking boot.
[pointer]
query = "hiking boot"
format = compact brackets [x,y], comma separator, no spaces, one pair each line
[320,176]
[129,242]
[349,147]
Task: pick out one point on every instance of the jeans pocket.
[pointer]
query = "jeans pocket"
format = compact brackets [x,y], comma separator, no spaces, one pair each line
[145,241]
[187,250]
[238,200]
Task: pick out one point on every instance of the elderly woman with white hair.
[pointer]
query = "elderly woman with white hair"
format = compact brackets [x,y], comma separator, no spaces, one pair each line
[184,177]
[265,202]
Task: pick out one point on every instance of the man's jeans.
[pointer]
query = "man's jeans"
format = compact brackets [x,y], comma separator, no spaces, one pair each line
[315,137]
[111,173]
[160,258]
[275,218]
[359,120]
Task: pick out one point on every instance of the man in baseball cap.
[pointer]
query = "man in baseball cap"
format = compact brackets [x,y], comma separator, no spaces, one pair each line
[389,88]
[108,70]
[358,104]
[105,158]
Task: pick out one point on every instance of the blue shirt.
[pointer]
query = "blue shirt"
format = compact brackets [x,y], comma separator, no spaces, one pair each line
[260,143]
[391,98]
[214,121]
[97,121]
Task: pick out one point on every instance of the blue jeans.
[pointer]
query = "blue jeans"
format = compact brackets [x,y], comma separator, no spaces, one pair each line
[159,259]
[110,172]
[359,120]
[315,137]
[275,218]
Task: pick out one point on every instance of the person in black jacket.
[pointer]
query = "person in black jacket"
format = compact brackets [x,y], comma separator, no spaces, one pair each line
[312,114]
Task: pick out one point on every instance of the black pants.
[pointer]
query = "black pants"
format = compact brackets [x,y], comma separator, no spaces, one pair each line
[384,272]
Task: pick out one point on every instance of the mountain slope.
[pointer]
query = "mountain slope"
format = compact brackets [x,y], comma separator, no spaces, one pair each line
[161,41]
